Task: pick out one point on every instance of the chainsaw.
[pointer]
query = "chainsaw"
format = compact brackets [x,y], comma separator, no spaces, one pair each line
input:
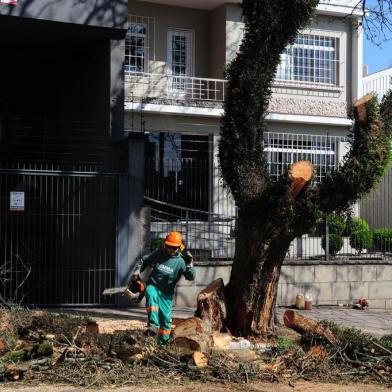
[134,291]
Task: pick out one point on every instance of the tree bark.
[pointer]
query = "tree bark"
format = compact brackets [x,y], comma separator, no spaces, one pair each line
[252,289]
[211,305]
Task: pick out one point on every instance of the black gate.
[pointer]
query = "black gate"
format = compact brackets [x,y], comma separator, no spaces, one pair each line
[57,246]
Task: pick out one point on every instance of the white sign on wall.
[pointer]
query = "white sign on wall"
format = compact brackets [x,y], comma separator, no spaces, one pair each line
[17,201]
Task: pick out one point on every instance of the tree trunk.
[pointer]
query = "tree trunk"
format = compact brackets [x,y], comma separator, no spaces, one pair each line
[251,292]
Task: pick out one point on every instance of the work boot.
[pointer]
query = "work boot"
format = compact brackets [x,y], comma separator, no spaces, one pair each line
[150,331]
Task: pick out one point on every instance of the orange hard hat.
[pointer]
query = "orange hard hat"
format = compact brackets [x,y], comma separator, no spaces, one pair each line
[174,238]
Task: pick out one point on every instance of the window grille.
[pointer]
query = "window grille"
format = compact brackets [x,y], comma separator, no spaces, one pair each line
[311,58]
[282,149]
[139,45]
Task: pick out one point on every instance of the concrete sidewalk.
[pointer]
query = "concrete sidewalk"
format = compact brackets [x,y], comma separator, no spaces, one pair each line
[373,322]
[377,323]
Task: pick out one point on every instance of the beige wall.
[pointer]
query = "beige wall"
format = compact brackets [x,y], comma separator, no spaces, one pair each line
[218,42]
[167,17]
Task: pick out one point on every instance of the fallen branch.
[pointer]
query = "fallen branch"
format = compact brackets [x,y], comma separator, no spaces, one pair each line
[301,324]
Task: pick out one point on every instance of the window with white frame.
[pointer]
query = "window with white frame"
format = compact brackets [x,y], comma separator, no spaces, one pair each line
[135,48]
[312,58]
[179,58]
[283,149]
[139,44]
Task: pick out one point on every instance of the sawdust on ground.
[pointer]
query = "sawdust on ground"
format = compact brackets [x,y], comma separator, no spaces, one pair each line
[198,387]
[106,325]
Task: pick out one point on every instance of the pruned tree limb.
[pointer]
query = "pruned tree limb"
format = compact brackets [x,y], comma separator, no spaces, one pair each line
[365,162]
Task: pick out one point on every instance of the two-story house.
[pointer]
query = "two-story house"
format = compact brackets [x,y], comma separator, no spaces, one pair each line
[176,53]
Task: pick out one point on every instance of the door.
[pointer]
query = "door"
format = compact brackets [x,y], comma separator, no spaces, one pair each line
[180,63]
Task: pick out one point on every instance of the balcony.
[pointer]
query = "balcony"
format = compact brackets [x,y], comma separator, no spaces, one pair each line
[167,89]
[203,92]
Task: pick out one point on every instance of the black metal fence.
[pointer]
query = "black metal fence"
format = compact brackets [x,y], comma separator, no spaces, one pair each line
[57,236]
[205,213]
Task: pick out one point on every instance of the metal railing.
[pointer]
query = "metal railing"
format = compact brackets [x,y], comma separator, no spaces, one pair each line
[210,236]
[158,86]
[154,87]
[190,197]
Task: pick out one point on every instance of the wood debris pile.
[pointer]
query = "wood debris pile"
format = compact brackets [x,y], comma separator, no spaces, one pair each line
[50,348]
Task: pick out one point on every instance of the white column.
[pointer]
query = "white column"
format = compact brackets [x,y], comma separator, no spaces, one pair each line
[357,60]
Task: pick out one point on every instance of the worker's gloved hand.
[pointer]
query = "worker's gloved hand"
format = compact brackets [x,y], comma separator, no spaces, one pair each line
[136,275]
[188,258]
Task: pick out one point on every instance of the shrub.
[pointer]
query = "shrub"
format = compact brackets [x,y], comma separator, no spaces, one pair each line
[361,236]
[382,240]
[156,243]
[336,223]
[335,243]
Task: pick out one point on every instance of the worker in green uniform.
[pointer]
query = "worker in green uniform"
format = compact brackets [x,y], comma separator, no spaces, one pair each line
[168,265]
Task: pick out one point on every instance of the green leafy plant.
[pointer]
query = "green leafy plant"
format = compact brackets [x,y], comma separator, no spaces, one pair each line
[156,243]
[382,240]
[361,236]
[335,243]
[285,344]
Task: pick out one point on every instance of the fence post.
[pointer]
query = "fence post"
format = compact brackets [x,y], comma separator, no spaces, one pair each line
[186,226]
[326,239]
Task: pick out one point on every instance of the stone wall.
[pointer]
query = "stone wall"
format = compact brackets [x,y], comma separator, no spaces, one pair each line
[329,283]
[308,107]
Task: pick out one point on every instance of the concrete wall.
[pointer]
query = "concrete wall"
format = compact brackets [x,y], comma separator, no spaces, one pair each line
[98,13]
[329,283]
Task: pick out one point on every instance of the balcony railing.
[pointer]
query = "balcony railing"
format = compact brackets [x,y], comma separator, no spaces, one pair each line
[158,86]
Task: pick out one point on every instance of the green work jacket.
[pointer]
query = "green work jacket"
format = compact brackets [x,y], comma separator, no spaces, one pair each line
[166,270]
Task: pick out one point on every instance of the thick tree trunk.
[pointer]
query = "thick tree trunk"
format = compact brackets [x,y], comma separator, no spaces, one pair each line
[251,292]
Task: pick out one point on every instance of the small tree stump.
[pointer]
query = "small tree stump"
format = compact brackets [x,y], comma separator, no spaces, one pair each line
[192,335]
[300,173]
[360,111]
[301,324]
[211,306]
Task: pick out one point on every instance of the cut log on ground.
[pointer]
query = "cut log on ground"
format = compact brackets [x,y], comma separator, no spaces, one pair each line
[192,335]
[301,324]
[211,306]
[300,173]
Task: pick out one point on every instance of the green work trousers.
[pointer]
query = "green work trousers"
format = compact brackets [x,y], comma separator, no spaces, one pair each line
[159,311]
